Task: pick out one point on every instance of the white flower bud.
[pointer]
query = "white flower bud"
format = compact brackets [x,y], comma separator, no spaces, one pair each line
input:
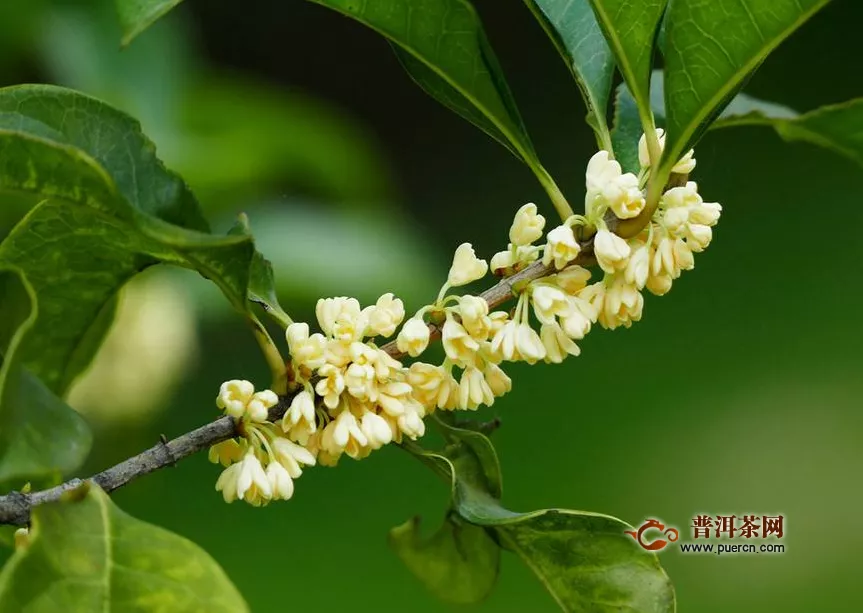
[233,397]
[562,248]
[497,379]
[557,343]
[281,483]
[638,267]
[684,166]
[376,429]
[706,213]
[466,267]
[227,482]
[698,237]
[683,258]
[527,226]
[414,337]
[474,316]
[385,316]
[549,302]
[601,171]
[292,456]
[611,251]
[572,279]
[501,261]
[252,483]
[259,405]
[659,285]
[460,347]
[474,390]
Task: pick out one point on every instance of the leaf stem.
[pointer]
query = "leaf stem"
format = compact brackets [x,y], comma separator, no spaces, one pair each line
[557,198]
[271,354]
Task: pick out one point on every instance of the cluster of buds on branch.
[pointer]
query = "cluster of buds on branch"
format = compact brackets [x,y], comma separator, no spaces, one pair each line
[351,396]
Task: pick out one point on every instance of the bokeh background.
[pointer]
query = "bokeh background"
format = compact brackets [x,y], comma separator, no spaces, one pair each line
[740,391]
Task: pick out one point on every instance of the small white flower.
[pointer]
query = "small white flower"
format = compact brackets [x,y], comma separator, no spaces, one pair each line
[498,381]
[663,262]
[530,346]
[385,316]
[393,396]
[577,323]
[562,248]
[684,196]
[572,279]
[527,226]
[227,452]
[299,419]
[611,251]
[411,423]
[638,267]
[501,261]
[376,429]
[684,166]
[659,285]
[683,258]
[252,483]
[624,197]
[474,316]
[331,385]
[233,397]
[706,213]
[343,435]
[227,482]
[698,237]
[557,343]
[601,170]
[474,390]
[466,267]
[460,347]
[623,304]
[259,405]
[291,456]
[281,483]
[549,302]
[306,350]
[341,318]
[432,385]
[413,337]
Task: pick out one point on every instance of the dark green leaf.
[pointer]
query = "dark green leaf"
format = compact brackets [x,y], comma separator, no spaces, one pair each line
[711,49]
[442,45]
[585,560]
[459,563]
[573,29]
[85,554]
[630,28]
[838,127]
[138,15]
[78,257]
[627,130]
[40,436]
[123,212]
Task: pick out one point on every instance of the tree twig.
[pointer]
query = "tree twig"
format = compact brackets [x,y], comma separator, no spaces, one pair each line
[15,507]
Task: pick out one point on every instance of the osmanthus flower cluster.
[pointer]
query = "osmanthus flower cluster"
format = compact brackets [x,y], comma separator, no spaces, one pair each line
[350,395]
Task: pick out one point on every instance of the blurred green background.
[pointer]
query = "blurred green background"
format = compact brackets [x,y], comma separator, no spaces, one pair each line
[740,391]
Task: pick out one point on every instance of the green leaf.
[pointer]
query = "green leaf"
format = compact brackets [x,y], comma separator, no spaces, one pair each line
[630,28]
[627,130]
[443,46]
[585,560]
[138,15]
[459,563]
[711,49]
[40,436]
[85,554]
[573,29]
[837,127]
[122,212]
[78,257]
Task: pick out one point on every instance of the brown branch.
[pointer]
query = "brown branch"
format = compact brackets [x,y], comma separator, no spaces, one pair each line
[15,507]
